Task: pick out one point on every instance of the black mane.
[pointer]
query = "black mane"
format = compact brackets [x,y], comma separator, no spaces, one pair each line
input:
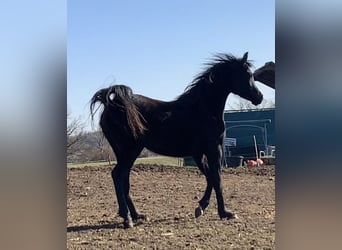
[203,81]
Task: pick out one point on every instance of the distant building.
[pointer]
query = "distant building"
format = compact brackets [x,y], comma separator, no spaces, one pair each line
[241,129]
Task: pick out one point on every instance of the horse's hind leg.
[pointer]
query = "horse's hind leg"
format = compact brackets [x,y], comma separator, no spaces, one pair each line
[204,202]
[120,175]
[133,212]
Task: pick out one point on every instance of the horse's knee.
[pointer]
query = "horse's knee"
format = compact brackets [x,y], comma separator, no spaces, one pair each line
[115,173]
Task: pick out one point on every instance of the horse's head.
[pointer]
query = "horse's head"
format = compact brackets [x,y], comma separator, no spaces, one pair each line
[243,82]
[234,75]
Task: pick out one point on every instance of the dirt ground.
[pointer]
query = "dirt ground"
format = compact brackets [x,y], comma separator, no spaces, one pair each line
[169,196]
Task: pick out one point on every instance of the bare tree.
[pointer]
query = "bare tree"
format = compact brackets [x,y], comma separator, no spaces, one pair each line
[103,146]
[74,134]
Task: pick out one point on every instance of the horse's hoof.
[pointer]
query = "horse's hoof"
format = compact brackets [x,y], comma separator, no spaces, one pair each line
[228,215]
[198,211]
[128,223]
[140,217]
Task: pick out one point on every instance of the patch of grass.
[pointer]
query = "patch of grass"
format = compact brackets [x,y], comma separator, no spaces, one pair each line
[160,160]
[93,164]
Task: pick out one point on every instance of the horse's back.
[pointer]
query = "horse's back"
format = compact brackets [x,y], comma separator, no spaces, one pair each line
[171,128]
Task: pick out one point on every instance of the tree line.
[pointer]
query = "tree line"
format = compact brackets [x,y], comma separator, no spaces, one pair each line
[84,146]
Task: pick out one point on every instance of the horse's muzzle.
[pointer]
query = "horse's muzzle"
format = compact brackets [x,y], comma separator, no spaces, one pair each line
[258,99]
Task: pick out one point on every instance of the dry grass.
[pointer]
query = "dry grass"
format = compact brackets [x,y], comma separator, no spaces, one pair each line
[159,160]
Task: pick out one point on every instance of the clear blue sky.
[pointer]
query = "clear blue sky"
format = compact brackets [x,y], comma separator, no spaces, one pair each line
[157,47]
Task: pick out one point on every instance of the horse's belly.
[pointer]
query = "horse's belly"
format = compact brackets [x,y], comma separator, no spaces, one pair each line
[172,147]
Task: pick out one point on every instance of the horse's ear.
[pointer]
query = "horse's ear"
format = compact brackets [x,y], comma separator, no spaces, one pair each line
[245,56]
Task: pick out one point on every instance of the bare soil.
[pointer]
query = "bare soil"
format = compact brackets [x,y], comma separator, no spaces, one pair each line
[168,196]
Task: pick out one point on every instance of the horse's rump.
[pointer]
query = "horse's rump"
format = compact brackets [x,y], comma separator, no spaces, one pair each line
[119,99]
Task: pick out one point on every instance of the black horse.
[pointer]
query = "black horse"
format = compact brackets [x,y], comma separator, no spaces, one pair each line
[191,125]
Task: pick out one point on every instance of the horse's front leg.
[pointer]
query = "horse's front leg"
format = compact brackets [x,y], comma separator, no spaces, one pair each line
[204,202]
[214,157]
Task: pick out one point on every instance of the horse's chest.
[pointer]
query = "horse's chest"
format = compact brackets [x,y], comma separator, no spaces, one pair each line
[213,126]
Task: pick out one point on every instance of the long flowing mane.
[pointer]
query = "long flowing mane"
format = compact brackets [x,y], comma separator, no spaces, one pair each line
[203,80]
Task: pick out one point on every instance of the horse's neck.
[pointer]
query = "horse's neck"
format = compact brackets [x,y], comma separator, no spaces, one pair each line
[210,101]
[216,102]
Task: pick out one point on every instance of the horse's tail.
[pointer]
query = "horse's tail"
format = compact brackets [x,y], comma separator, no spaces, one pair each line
[119,98]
